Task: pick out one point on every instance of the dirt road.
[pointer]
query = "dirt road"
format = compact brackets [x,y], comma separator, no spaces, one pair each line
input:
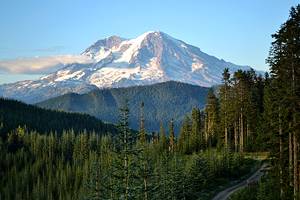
[223,195]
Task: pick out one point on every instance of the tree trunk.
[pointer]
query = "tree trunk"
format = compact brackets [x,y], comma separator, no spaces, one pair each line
[280,156]
[241,132]
[145,182]
[126,166]
[225,118]
[145,188]
[248,135]
[295,137]
[226,137]
[206,130]
[296,184]
[235,137]
[290,157]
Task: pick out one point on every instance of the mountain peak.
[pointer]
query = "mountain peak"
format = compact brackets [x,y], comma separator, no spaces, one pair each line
[106,43]
[156,33]
[152,57]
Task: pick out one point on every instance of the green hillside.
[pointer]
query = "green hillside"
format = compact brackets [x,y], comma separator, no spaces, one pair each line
[14,113]
[163,102]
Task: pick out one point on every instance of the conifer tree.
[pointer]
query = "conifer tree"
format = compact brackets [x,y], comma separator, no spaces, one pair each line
[243,107]
[125,163]
[171,137]
[184,139]
[225,107]
[211,119]
[142,131]
[94,184]
[197,142]
[162,138]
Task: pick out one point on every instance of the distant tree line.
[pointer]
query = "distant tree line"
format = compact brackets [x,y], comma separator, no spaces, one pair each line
[14,113]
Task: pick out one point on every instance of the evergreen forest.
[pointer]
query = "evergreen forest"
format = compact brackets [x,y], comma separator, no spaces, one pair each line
[56,155]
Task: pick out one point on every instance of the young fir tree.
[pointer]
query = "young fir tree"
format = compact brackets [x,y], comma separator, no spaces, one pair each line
[171,137]
[145,168]
[185,136]
[162,138]
[142,131]
[94,185]
[125,183]
[145,171]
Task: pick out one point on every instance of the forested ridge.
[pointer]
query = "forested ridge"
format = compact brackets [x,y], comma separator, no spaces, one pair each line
[14,114]
[159,99]
[249,113]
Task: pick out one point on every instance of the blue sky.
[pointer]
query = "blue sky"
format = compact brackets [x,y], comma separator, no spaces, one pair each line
[234,30]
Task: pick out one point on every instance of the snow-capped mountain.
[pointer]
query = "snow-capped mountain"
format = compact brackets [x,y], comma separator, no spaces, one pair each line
[150,58]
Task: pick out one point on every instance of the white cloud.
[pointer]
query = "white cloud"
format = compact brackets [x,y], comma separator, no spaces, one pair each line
[41,65]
